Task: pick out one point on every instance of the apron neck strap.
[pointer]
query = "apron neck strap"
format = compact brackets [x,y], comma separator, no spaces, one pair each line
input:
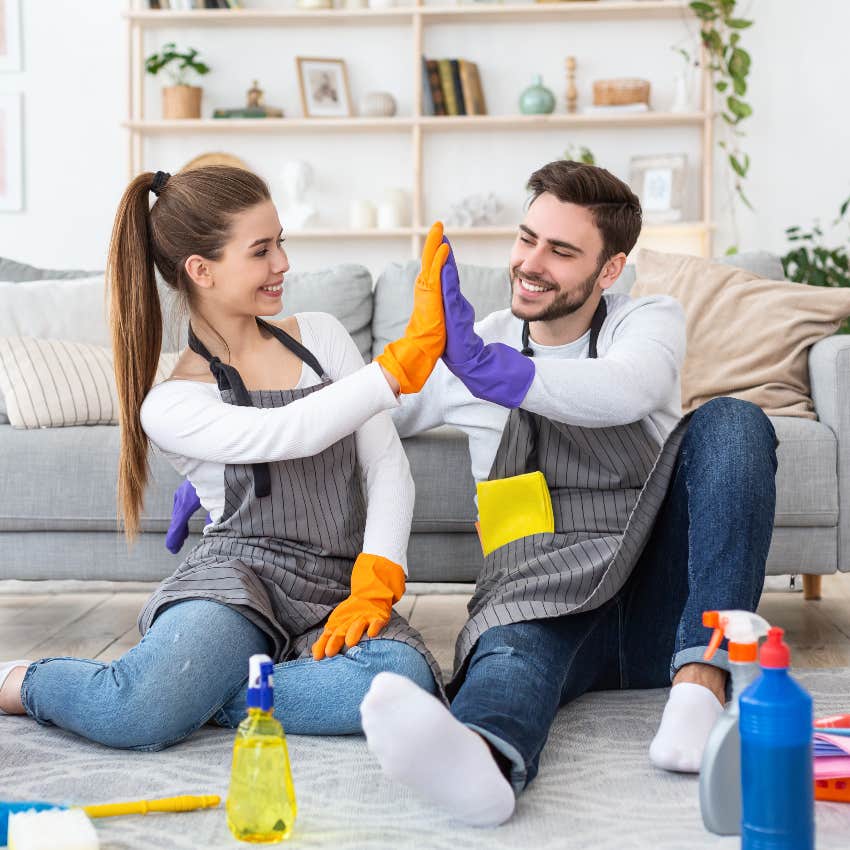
[595,327]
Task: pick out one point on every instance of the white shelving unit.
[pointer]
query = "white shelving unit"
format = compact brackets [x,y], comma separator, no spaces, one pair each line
[417,126]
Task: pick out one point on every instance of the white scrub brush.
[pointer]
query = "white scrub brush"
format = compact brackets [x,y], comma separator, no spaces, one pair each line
[54,829]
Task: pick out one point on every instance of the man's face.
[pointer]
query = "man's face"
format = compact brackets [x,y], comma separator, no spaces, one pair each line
[555,261]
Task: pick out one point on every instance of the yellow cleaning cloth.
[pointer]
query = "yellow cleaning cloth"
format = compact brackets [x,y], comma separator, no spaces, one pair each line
[510,508]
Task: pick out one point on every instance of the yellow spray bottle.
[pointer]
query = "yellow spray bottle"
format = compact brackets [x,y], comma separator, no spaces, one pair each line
[261,801]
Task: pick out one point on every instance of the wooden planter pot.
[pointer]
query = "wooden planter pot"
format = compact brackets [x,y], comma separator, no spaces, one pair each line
[181,102]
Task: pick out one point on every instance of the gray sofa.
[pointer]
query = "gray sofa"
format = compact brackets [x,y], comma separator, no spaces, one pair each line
[58,507]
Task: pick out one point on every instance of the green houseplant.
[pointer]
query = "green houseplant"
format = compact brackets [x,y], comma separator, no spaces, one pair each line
[179,100]
[729,65]
[810,261]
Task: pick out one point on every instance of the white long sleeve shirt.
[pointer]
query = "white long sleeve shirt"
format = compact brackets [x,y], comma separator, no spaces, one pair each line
[200,434]
[635,377]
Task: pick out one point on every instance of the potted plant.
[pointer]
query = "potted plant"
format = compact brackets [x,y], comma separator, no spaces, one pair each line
[179,100]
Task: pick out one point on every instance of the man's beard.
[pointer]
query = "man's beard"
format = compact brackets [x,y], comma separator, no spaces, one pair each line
[564,304]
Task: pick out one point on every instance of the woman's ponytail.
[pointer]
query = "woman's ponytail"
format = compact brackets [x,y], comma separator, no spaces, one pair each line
[193,214]
[136,321]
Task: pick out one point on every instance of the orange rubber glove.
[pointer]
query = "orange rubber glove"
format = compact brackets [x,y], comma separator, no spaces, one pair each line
[411,359]
[376,585]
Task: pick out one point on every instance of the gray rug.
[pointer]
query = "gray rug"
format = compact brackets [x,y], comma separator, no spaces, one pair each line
[596,788]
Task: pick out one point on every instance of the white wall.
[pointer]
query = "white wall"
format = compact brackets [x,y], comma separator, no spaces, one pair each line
[74,85]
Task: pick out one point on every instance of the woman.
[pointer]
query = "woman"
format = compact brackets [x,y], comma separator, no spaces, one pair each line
[272,423]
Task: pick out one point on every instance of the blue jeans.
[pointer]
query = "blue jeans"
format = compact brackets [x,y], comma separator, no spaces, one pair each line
[707,551]
[191,667]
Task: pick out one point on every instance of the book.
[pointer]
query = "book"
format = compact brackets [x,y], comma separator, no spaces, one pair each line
[249,112]
[436,89]
[427,99]
[448,86]
[473,94]
[461,103]
[614,109]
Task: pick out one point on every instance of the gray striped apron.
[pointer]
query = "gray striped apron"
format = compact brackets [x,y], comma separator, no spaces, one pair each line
[607,486]
[283,549]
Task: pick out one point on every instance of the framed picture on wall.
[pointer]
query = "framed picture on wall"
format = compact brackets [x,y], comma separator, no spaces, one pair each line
[10,35]
[324,87]
[659,182]
[11,153]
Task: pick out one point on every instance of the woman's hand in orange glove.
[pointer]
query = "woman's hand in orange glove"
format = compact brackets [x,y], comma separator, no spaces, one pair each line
[376,585]
[411,359]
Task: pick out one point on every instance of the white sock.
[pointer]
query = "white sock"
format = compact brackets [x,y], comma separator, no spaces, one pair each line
[418,743]
[688,718]
[6,668]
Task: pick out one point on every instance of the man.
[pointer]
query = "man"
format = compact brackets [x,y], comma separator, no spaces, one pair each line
[657,518]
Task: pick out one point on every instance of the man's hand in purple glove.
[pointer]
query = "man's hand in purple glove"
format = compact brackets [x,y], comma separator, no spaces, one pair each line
[494,372]
[186,502]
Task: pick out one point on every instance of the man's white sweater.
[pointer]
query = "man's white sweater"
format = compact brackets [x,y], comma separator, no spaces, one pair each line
[635,377]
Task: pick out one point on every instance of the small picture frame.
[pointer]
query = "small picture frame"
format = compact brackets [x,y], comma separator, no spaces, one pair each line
[324,87]
[10,35]
[659,182]
[11,154]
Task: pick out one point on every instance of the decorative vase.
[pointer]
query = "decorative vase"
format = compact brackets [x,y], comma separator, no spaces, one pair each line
[537,99]
[361,215]
[378,104]
[682,93]
[181,102]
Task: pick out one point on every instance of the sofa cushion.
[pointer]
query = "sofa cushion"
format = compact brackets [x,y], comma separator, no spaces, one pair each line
[63,479]
[807,473]
[16,272]
[748,337]
[762,263]
[49,383]
[486,288]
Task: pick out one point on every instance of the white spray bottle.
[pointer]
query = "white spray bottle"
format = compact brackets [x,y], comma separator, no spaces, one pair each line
[720,772]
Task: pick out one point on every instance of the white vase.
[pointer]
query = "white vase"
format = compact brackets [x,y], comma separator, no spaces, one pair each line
[361,215]
[682,93]
[378,104]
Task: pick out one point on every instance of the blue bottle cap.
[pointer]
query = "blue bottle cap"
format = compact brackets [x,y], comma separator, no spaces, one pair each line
[260,682]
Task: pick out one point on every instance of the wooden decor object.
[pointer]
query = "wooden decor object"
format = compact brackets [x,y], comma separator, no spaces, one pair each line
[181,102]
[572,92]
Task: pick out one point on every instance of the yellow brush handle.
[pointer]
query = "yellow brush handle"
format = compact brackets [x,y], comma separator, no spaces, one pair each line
[142,807]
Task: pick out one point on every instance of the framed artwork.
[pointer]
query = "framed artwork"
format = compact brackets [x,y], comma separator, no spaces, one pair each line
[659,182]
[10,35]
[11,153]
[324,87]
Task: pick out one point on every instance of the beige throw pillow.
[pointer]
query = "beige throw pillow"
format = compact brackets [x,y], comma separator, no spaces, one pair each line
[51,383]
[748,337]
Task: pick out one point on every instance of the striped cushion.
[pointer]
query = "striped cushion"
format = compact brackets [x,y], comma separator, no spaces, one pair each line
[50,383]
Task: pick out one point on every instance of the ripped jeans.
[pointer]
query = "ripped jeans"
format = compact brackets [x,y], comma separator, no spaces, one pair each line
[191,667]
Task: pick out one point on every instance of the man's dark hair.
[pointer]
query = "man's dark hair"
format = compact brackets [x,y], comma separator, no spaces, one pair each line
[614,206]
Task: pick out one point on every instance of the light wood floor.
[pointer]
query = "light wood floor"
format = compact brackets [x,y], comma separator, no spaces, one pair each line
[101,623]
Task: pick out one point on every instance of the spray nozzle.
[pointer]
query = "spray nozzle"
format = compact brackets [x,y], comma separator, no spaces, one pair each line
[742,628]
[260,682]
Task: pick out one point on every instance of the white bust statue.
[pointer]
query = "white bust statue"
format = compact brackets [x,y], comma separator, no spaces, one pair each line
[297,176]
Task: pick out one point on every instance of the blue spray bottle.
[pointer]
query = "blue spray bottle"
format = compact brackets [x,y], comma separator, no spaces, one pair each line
[777,775]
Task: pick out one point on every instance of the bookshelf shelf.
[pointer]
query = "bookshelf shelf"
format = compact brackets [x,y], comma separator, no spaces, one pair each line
[417,17]
[531,12]
[443,123]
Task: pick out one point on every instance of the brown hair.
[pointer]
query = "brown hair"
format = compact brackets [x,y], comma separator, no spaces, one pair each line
[615,208]
[192,215]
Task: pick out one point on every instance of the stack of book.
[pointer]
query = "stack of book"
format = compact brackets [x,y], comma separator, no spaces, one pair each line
[451,87]
[187,5]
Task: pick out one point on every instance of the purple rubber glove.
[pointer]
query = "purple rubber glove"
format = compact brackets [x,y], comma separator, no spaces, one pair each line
[186,502]
[494,372]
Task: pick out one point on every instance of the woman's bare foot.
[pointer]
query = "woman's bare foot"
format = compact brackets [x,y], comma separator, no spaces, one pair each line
[11,679]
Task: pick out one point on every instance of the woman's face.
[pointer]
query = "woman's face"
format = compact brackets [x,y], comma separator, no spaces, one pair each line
[248,278]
